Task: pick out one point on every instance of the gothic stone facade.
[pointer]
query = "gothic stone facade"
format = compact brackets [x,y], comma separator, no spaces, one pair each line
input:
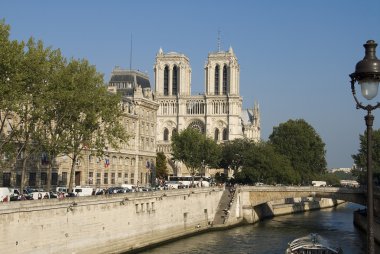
[217,113]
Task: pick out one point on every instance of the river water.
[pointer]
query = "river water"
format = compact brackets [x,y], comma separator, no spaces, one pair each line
[272,236]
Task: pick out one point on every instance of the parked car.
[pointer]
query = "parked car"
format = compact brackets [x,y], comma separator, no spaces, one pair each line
[172,184]
[36,193]
[53,194]
[114,190]
[83,191]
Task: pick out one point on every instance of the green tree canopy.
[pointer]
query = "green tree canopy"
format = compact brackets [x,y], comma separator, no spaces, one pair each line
[161,166]
[301,144]
[195,150]
[257,162]
[11,60]
[51,106]
[360,159]
[92,115]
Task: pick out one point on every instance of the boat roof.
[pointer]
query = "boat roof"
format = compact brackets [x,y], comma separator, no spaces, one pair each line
[311,242]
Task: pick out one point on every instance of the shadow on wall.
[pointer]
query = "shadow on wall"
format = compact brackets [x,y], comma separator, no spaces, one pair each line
[264,211]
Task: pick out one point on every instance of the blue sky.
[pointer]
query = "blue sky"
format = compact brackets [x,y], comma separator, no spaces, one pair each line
[294,56]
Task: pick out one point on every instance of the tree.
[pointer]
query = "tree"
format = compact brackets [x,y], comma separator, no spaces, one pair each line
[50,138]
[360,159]
[299,142]
[161,166]
[263,164]
[195,150]
[11,58]
[233,153]
[34,73]
[92,115]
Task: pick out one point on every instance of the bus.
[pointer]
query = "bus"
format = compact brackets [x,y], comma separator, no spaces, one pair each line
[319,183]
[199,181]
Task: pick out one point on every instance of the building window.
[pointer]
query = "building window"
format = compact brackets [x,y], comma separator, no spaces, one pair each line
[112,178]
[43,178]
[90,159]
[217,79]
[166,80]
[198,125]
[105,180]
[6,179]
[32,179]
[54,178]
[216,135]
[175,80]
[90,177]
[64,178]
[98,178]
[225,134]
[225,80]
[132,178]
[18,179]
[166,134]
[125,178]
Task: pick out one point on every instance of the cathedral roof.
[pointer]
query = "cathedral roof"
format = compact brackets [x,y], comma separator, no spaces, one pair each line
[247,116]
[136,78]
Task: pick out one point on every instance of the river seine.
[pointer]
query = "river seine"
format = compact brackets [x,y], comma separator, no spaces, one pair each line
[272,236]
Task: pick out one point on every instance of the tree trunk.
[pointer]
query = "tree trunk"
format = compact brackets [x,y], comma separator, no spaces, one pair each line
[49,171]
[23,174]
[48,183]
[72,172]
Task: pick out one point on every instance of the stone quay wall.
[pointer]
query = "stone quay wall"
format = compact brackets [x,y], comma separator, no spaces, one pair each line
[128,222]
[105,224]
[360,220]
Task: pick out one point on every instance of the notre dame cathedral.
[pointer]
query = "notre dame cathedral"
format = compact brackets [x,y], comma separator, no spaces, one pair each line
[217,112]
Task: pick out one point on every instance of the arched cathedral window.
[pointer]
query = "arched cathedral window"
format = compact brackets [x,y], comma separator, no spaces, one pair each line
[175,80]
[166,80]
[225,134]
[217,79]
[216,135]
[174,132]
[198,125]
[224,80]
[166,134]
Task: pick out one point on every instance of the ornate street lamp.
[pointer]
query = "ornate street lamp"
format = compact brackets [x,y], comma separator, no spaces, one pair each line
[367,75]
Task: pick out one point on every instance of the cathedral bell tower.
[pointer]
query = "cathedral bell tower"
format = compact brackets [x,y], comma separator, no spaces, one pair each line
[172,74]
[222,73]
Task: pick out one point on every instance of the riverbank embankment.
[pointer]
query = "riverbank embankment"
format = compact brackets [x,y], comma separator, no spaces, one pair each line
[360,221]
[128,222]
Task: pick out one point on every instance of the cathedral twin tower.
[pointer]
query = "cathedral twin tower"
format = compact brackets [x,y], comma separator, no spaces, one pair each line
[217,113]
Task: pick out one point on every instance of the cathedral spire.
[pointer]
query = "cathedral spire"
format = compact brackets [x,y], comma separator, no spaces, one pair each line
[219,40]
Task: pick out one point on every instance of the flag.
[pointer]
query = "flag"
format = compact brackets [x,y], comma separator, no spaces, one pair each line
[107,163]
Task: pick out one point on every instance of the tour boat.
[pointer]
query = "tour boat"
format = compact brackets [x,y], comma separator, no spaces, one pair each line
[312,244]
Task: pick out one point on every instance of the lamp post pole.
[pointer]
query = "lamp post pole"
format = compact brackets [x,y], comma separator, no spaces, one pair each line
[370,238]
[367,74]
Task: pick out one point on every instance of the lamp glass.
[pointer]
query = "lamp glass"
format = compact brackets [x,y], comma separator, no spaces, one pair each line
[369,88]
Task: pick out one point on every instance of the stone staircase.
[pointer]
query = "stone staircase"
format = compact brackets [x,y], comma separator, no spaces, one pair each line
[224,206]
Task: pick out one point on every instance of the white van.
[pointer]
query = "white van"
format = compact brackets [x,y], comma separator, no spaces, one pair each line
[61,189]
[130,187]
[5,194]
[83,191]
